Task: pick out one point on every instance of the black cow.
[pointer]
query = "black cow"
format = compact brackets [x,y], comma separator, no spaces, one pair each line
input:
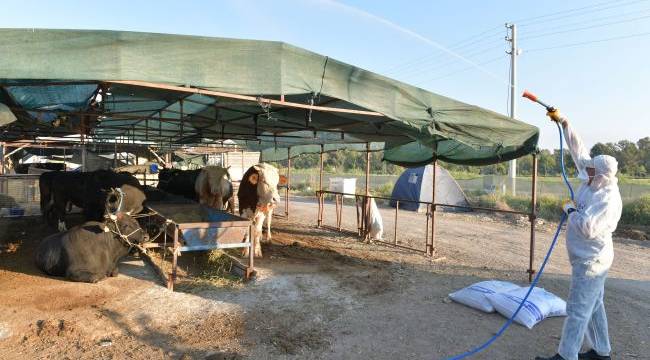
[89,191]
[45,187]
[179,182]
[88,252]
[66,189]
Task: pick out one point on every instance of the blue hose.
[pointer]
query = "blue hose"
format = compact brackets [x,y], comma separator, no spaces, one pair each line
[539,273]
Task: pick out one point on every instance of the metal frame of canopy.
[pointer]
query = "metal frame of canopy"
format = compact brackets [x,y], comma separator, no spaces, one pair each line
[167,114]
[129,138]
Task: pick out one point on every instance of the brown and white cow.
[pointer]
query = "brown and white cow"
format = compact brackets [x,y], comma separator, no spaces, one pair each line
[210,186]
[258,195]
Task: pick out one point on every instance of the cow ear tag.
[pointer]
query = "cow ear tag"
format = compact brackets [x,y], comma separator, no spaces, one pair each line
[283,181]
[253,179]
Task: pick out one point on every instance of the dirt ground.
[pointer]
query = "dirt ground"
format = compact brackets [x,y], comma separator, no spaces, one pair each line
[318,295]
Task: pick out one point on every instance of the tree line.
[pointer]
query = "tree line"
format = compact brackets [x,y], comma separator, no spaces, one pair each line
[633,161]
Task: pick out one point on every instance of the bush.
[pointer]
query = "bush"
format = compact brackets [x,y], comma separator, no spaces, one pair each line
[637,212]
[385,190]
[491,201]
[548,207]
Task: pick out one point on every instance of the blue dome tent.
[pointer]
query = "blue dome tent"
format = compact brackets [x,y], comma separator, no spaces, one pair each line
[416,184]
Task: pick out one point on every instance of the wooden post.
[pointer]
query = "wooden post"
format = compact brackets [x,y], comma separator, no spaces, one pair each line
[533,219]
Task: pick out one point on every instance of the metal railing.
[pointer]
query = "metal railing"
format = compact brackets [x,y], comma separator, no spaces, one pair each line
[362,205]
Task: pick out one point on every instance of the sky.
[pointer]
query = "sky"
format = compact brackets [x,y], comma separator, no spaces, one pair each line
[588,58]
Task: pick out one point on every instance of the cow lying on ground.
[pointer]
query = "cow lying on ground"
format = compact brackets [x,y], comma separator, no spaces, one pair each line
[211,185]
[89,252]
[258,195]
[89,191]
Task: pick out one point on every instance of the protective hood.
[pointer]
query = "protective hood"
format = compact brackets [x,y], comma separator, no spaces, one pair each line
[606,167]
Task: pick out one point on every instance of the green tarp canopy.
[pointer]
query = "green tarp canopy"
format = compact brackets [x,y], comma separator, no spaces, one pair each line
[173,89]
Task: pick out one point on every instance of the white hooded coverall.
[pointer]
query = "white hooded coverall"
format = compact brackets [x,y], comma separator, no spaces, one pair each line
[591,252]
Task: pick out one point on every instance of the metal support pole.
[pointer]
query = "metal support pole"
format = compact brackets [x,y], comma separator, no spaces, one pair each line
[3,149]
[367,169]
[432,247]
[533,219]
[115,155]
[286,199]
[251,253]
[514,52]
[83,157]
[321,198]
[172,278]
[396,211]
[366,218]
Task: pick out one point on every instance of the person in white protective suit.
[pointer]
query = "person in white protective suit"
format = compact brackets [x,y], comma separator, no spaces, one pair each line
[591,220]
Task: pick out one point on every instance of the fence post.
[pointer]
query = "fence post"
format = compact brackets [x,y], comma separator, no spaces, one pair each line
[533,219]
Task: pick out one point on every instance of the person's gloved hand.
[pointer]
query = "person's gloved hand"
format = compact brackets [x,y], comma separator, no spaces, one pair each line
[569,207]
[556,116]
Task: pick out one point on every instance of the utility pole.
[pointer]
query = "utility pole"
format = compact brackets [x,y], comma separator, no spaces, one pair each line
[514,52]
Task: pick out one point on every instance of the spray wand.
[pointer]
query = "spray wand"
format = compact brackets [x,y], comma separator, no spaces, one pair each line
[532,97]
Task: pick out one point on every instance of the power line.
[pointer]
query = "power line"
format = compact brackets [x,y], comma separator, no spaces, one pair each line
[585,28]
[478,38]
[591,42]
[439,65]
[461,70]
[619,3]
[598,19]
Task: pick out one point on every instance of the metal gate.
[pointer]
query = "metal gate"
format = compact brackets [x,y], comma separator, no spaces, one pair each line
[19,195]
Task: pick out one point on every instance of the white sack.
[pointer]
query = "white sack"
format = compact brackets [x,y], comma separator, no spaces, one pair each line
[540,305]
[376,228]
[475,296]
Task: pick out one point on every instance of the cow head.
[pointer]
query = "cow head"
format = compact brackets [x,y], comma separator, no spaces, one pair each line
[114,200]
[126,227]
[216,185]
[266,178]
